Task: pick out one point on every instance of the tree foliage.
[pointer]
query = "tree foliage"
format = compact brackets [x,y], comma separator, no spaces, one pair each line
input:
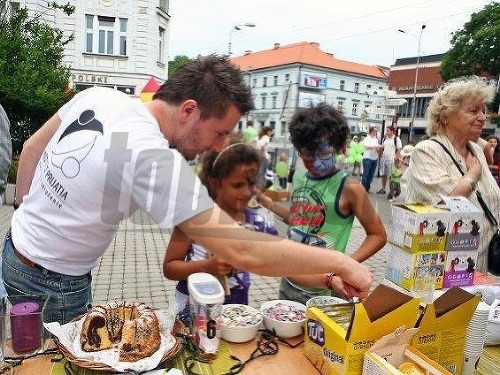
[33,79]
[176,63]
[475,48]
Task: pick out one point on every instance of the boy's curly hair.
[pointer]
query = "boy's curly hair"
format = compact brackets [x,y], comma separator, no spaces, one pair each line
[309,125]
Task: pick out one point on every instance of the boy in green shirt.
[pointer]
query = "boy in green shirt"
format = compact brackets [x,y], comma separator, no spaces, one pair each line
[395,180]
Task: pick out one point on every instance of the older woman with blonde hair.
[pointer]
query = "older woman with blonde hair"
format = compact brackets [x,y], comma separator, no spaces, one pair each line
[450,162]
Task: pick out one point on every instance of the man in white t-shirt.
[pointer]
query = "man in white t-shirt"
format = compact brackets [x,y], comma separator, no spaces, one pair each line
[104,155]
[370,157]
[391,146]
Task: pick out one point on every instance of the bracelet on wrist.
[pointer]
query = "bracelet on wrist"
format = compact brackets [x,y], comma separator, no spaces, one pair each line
[328,281]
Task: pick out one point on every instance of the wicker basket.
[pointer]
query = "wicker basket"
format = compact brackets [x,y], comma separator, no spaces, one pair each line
[176,349]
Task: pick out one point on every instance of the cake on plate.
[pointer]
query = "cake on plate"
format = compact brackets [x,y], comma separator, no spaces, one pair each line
[133,328]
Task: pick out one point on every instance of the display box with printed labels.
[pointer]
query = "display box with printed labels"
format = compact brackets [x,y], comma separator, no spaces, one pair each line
[460,267]
[419,227]
[404,267]
[392,355]
[464,223]
[337,336]
[442,328]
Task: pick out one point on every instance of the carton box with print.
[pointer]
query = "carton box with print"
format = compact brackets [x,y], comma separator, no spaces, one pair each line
[419,226]
[404,267]
[460,266]
[393,355]
[442,328]
[464,223]
[337,338]
[462,242]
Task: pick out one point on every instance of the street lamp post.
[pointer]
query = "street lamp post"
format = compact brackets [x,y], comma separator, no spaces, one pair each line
[236,27]
[414,101]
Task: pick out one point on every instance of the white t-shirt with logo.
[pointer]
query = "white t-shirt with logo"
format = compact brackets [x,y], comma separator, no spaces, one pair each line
[107,159]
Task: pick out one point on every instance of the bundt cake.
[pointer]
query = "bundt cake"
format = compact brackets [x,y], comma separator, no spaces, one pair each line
[131,327]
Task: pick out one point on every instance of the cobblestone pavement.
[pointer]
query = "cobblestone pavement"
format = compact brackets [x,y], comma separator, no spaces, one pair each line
[131,268]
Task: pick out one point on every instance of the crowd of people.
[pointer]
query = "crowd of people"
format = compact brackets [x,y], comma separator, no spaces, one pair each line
[136,157]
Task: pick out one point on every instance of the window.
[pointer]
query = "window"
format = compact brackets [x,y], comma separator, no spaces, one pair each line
[354,109]
[164,5]
[263,102]
[287,77]
[283,128]
[275,80]
[264,82]
[14,6]
[340,106]
[106,35]
[254,82]
[161,38]
[89,36]
[368,86]
[274,100]
[123,36]
[356,87]
[342,85]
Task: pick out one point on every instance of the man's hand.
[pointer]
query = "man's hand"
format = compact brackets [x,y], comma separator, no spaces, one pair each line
[356,282]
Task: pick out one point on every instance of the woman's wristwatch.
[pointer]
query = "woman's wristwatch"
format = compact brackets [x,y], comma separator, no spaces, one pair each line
[472,183]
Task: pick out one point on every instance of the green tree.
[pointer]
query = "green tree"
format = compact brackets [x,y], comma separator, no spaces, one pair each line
[176,63]
[475,48]
[33,79]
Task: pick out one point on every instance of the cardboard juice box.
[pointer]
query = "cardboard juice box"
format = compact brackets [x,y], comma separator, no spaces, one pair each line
[404,267]
[419,227]
[442,328]
[337,338]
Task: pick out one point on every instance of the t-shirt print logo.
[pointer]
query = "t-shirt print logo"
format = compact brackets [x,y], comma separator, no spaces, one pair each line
[71,150]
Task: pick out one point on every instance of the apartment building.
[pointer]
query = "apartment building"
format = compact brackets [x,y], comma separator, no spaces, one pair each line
[288,77]
[117,43]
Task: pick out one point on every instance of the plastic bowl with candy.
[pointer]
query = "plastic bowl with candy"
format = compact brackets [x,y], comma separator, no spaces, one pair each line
[285,317]
[239,323]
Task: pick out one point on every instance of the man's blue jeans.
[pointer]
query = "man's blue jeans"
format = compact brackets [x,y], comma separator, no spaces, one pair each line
[67,296]
[369,167]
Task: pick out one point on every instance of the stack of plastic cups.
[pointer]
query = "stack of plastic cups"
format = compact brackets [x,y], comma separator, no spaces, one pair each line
[474,341]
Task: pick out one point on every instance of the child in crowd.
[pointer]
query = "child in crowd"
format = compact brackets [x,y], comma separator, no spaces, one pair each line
[230,177]
[395,180]
[324,201]
[281,170]
[355,155]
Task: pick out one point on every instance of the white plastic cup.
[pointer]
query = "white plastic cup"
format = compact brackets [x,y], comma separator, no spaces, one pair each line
[425,285]
[469,363]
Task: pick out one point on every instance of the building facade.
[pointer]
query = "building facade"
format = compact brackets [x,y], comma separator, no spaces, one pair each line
[288,77]
[404,80]
[116,43]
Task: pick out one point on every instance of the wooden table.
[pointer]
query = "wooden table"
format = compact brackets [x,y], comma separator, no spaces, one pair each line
[287,361]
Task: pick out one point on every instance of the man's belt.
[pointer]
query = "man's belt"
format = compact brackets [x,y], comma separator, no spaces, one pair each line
[25,260]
